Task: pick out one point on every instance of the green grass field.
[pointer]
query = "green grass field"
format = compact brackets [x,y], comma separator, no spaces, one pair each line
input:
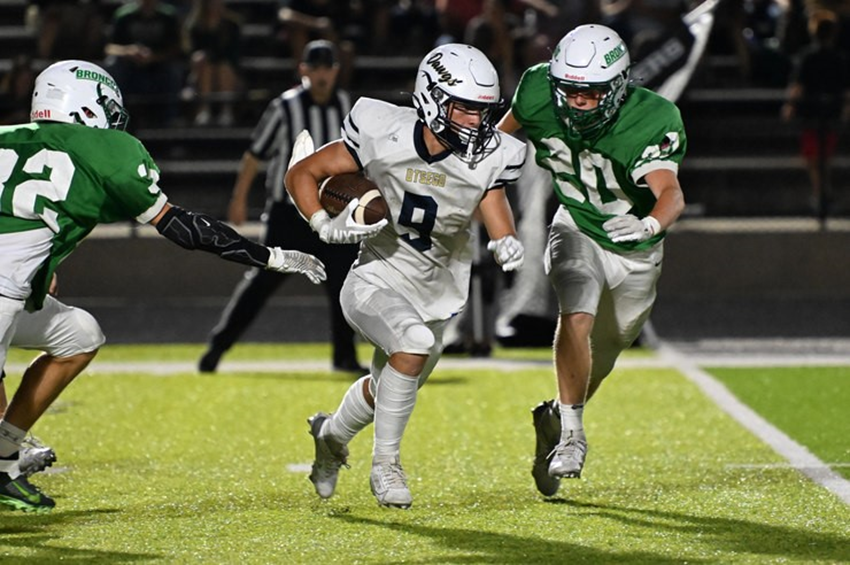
[187,468]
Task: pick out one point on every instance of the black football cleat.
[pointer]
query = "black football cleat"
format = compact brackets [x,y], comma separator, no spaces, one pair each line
[19,494]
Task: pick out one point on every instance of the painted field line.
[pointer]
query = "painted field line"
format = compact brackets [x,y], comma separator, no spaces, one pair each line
[165,368]
[780,465]
[797,455]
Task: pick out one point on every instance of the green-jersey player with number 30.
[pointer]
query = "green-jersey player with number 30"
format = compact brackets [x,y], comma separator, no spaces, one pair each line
[613,151]
[68,170]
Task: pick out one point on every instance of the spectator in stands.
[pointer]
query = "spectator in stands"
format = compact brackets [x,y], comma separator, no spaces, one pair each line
[417,18]
[319,107]
[69,29]
[816,96]
[145,56]
[493,31]
[16,91]
[769,66]
[792,28]
[454,16]
[213,37]
[342,23]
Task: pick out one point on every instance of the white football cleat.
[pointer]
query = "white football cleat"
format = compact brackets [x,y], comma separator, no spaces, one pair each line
[568,458]
[34,456]
[389,484]
[330,456]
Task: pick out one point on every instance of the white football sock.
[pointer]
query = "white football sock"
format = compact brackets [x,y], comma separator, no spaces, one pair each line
[10,438]
[394,404]
[353,414]
[571,420]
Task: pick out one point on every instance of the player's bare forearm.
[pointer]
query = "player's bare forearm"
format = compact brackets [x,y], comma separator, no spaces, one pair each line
[303,178]
[670,201]
[508,123]
[496,214]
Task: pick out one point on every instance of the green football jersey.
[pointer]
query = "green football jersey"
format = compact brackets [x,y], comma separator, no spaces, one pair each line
[69,178]
[601,178]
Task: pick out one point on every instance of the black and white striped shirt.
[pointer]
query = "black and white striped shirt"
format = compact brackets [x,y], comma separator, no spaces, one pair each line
[284,118]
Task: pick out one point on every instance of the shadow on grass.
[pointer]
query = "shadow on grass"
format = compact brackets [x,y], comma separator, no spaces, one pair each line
[708,535]
[490,547]
[729,535]
[34,535]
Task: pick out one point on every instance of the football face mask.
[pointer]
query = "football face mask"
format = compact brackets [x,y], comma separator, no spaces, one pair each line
[465,140]
[585,122]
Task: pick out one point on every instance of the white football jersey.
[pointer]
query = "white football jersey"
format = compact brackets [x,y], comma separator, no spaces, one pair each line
[425,250]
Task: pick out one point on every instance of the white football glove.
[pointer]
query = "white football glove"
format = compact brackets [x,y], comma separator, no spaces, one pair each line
[631,228]
[284,261]
[508,252]
[343,228]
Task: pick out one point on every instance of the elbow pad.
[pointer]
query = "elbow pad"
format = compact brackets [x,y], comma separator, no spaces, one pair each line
[199,231]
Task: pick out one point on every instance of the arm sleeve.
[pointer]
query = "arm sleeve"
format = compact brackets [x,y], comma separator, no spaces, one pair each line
[199,231]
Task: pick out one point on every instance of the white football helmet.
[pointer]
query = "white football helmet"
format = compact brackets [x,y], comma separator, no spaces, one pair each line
[78,92]
[456,73]
[594,59]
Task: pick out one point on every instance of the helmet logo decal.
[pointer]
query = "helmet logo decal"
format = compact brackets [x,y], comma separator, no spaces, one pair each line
[445,75]
[40,114]
[83,74]
[615,54]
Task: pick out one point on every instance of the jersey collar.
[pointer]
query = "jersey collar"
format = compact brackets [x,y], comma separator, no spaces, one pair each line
[422,149]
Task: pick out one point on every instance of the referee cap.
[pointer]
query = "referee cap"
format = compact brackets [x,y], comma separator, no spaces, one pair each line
[319,53]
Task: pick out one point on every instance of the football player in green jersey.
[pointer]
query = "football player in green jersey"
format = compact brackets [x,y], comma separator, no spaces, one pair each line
[68,170]
[613,151]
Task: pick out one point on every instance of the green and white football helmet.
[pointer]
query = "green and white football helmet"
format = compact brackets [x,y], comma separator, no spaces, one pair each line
[78,92]
[594,61]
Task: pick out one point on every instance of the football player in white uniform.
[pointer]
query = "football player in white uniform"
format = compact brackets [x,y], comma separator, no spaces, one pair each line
[438,165]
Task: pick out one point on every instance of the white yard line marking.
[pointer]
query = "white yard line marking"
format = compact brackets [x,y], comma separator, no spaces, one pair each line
[797,455]
[299,467]
[779,465]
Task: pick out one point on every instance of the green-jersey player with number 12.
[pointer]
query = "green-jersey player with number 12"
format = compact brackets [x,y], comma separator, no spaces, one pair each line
[61,175]
[613,151]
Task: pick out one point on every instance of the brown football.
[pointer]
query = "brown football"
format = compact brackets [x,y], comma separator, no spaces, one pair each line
[337,191]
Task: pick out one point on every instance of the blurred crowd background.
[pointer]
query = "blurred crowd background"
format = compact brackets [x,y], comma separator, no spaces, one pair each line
[196,75]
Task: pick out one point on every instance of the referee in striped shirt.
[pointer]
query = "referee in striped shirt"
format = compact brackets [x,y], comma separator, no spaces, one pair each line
[319,107]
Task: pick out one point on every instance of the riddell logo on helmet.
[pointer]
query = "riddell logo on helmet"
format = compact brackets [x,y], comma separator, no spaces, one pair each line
[574,77]
[486,97]
[40,115]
